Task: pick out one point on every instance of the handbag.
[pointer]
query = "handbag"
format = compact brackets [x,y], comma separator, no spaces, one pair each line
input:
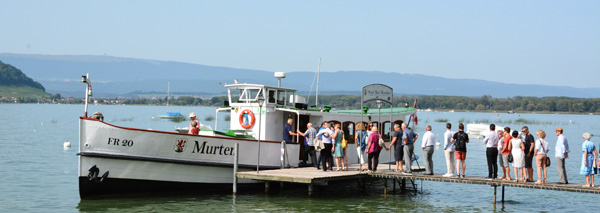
[381,142]
[510,158]
[344,141]
[318,144]
[547,158]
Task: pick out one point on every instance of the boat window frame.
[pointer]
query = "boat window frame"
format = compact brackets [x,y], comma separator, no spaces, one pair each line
[349,135]
[385,137]
[247,94]
[279,98]
[272,99]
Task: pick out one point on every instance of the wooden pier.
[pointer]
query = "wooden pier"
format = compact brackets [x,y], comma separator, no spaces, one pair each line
[311,176]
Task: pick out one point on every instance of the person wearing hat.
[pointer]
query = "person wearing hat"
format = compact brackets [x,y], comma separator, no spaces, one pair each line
[561,153]
[193,118]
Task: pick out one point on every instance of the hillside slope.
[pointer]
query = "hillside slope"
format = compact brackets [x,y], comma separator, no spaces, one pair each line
[14,83]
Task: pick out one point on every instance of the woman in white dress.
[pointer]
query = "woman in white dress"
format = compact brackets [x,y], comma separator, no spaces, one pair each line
[516,146]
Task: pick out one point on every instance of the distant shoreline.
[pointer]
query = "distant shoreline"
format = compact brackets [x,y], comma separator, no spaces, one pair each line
[486,103]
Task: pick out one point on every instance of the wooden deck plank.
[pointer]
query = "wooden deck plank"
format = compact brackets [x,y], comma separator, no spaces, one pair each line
[310,175]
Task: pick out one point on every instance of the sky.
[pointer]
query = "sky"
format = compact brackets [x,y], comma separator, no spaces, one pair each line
[514,41]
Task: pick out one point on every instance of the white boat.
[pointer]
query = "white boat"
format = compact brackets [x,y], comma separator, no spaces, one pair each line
[480,129]
[120,160]
[171,115]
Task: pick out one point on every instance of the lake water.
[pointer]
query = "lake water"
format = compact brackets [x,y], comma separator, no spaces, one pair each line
[38,175]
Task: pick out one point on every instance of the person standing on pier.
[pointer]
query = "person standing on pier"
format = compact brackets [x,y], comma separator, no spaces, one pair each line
[529,152]
[587,161]
[398,145]
[427,148]
[460,140]
[541,149]
[373,149]
[506,152]
[491,142]
[361,145]
[561,153]
[517,149]
[309,149]
[287,131]
[408,138]
[338,150]
[326,134]
[449,150]
[500,146]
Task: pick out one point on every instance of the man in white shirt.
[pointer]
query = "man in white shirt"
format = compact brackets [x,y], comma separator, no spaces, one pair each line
[561,153]
[427,147]
[491,142]
[449,150]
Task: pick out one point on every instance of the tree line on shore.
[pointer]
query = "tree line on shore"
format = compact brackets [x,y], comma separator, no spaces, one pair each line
[461,103]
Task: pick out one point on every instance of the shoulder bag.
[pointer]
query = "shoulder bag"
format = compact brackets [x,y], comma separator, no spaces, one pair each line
[381,142]
[318,143]
[547,158]
[344,142]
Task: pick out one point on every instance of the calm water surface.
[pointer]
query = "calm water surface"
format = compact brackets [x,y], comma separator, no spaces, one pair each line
[38,175]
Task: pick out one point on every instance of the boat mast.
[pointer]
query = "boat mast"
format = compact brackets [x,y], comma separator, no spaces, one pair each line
[168,94]
[318,77]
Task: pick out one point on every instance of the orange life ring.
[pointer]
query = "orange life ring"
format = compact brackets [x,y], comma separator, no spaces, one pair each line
[247,126]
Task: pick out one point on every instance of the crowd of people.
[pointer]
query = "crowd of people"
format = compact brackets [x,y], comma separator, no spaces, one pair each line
[504,147]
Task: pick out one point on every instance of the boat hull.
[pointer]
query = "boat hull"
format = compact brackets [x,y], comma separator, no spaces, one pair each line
[139,161]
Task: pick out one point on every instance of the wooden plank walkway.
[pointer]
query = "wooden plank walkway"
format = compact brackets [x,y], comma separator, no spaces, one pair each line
[312,176]
[572,187]
[306,175]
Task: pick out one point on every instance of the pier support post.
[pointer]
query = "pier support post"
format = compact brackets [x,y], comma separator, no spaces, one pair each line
[495,187]
[267,187]
[235,166]
[310,189]
[394,185]
[403,185]
[502,194]
[385,186]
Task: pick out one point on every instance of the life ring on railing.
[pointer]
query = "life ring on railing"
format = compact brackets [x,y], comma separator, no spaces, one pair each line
[247,119]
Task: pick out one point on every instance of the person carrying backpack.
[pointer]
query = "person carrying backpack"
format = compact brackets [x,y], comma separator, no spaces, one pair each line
[361,145]
[460,140]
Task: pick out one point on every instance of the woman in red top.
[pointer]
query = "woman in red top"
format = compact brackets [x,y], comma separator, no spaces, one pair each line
[505,153]
[373,149]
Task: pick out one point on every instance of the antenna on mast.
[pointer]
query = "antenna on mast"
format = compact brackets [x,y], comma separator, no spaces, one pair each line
[318,77]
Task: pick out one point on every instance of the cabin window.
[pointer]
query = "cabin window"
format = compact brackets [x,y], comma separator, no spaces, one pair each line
[349,131]
[235,95]
[253,94]
[385,131]
[281,97]
[372,124]
[271,97]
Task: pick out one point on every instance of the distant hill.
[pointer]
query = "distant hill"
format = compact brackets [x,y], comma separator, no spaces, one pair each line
[115,76]
[14,83]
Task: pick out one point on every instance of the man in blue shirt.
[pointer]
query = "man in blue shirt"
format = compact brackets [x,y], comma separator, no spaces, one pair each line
[287,131]
[408,138]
